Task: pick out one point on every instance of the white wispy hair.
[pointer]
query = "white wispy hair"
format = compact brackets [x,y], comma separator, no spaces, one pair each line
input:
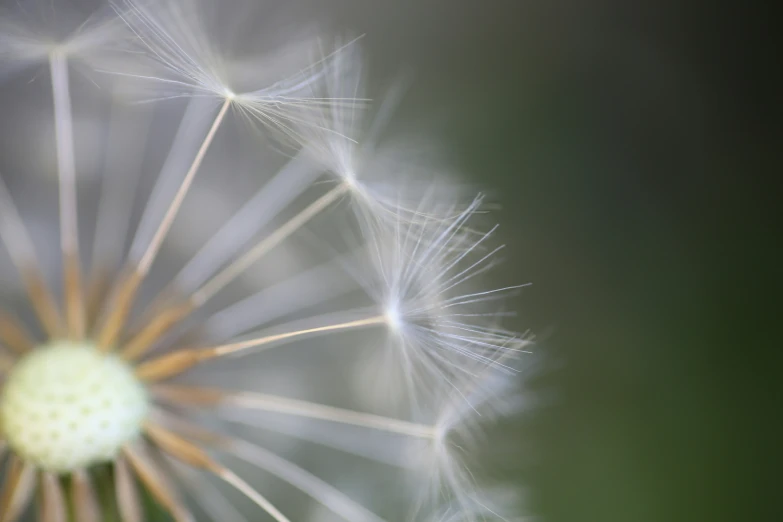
[458,513]
[189,55]
[425,278]
[35,30]
[384,175]
[460,429]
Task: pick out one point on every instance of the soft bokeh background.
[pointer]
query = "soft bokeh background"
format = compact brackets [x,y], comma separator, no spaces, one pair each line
[627,143]
[624,142]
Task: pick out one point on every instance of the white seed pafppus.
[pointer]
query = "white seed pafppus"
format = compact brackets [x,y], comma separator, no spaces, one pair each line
[66,406]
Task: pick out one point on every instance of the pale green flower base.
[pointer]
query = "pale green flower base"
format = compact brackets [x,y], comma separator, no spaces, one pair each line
[66,406]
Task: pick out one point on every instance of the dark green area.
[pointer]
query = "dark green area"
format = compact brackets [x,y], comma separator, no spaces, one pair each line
[632,147]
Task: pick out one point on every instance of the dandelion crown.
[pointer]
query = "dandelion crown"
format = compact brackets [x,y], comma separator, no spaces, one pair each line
[202,386]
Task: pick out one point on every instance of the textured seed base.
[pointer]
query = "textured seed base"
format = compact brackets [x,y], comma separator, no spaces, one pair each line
[67,406]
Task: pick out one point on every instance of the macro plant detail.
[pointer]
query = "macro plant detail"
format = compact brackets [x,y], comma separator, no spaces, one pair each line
[131,372]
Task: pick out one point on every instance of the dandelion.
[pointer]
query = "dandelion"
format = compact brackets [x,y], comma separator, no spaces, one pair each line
[143,374]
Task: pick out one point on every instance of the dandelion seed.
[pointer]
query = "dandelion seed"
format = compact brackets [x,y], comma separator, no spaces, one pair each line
[382,177]
[136,377]
[30,34]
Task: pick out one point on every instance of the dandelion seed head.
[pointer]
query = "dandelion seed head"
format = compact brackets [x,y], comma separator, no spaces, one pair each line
[210,346]
[424,271]
[66,406]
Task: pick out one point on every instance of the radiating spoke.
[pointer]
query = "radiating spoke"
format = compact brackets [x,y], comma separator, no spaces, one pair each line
[126,294]
[97,292]
[18,485]
[83,497]
[318,489]
[153,479]
[66,175]
[160,323]
[157,326]
[14,235]
[201,396]
[14,335]
[43,301]
[207,494]
[242,263]
[127,493]
[179,361]
[191,454]
[233,348]
[53,507]
[160,234]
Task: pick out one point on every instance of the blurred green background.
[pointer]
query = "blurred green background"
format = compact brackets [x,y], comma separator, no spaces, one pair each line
[631,145]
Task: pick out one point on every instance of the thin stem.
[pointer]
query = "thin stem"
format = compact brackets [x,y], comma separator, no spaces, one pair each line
[66,175]
[276,404]
[232,348]
[152,477]
[126,294]
[84,497]
[328,413]
[52,501]
[207,494]
[66,169]
[158,325]
[179,361]
[126,492]
[227,275]
[193,455]
[17,489]
[243,487]
[160,234]
[13,232]
[14,335]
[14,235]
[320,490]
